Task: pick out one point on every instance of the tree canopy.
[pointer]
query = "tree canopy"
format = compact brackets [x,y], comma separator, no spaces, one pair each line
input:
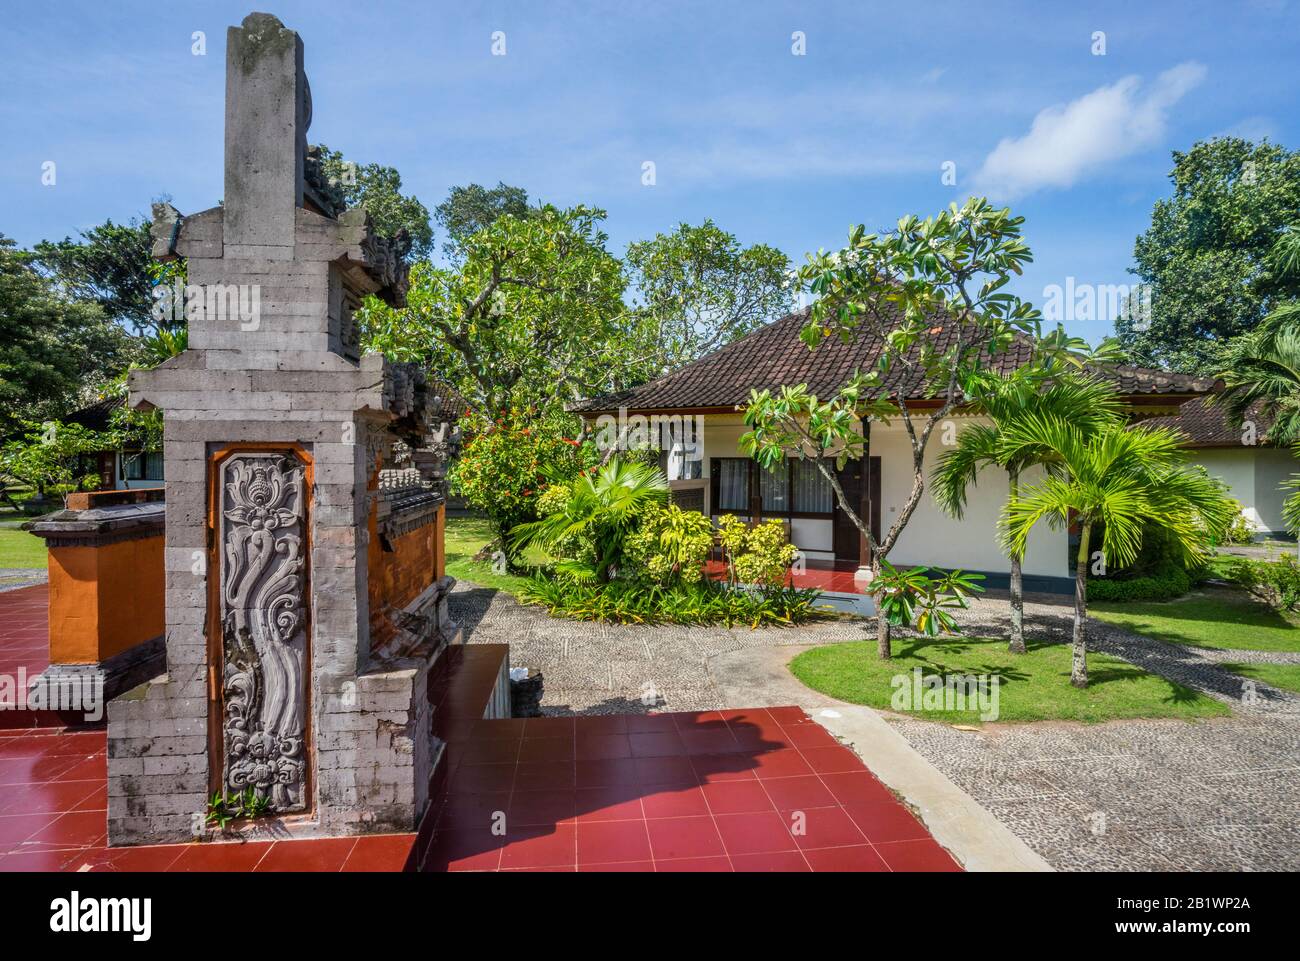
[1206,255]
[379,190]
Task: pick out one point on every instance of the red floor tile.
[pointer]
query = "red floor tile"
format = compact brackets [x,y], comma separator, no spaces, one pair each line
[857,788]
[665,744]
[533,808]
[318,854]
[694,866]
[822,827]
[924,855]
[620,867]
[457,850]
[694,837]
[382,852]
[886,821]
[148,858]
[222,857]
[674,802]
[538,847]
[772,861]
[544,775]
[616,803]
[861,857]
[805,791]
[602,747]
[737,797]
[602,773]
[604,842]
[754,833]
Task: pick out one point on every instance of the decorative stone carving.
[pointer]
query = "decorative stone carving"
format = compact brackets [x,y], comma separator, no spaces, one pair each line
[263,626]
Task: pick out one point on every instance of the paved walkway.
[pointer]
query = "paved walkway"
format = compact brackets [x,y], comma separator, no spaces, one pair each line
[1128,795]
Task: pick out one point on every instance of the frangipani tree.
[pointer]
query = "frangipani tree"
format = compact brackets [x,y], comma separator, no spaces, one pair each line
[1041,388]
[1117,477]
[932,293]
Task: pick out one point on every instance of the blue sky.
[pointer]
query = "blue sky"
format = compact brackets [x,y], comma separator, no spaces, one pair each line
[777,148]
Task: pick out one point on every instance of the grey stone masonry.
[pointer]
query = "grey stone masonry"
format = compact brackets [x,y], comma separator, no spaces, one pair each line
[274,427]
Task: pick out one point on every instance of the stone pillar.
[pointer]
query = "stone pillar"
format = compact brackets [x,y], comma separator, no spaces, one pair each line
[273,427]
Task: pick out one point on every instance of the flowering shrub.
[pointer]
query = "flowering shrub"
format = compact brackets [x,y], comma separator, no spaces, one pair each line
[505,467]
[669,546]
[758,555]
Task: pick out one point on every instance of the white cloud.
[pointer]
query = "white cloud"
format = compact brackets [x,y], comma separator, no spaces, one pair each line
[1067,142]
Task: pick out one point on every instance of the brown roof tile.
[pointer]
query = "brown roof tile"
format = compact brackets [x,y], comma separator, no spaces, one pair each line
[773,355]
[1206,424]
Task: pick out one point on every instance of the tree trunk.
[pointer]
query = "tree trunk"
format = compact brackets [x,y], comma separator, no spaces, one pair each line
[1079,658]
[882,625]
[1017,645]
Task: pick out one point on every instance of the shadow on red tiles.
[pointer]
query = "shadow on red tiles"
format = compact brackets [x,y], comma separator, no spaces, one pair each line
[742,790]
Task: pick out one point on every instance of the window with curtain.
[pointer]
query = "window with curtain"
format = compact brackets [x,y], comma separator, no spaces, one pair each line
[733,484]
[812,491]
[774,486]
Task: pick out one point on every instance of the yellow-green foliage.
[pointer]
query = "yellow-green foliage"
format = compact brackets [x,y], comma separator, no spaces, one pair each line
[670,545]
[756,555]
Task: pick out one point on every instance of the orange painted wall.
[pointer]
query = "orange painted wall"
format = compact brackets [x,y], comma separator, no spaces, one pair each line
[105,599]
[399,576]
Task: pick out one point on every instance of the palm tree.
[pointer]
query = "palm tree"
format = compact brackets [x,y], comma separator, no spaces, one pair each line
[1122,478]
[1076,398]
[600,511]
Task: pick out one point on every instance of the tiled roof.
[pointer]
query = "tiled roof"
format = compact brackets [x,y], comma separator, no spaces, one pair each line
[1206,424]
[773,355]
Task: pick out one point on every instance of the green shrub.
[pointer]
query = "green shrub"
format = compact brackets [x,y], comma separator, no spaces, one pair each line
[1276,583]
[1158,587]
[704,602]
[1159,573]
[669,546]
[757,554]
[1240,530]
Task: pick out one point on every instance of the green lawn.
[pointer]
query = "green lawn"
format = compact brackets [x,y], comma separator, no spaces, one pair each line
[465,537]
[1216,618]
[1034,686]
[1284,676]
[20,549]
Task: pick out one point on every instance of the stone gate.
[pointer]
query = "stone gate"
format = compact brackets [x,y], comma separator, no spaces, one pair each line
[305,596]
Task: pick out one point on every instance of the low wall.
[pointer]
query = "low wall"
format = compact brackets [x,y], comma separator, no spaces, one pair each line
[106,606]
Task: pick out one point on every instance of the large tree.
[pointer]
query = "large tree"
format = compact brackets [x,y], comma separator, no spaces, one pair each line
[379,190]
[699,289]
[109,265]
[53,349]
[532,318]
[939,276]
[472,208]
[1206,253]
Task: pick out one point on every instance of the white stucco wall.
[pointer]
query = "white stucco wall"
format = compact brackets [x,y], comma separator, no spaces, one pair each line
[1254,476]
[932,537]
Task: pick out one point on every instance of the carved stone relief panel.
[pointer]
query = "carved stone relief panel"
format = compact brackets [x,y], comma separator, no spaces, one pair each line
[264,626]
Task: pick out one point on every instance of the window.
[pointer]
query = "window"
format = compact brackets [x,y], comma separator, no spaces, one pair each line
[142,466]
[775,488]
[795,489]
[733,483]
[812,491]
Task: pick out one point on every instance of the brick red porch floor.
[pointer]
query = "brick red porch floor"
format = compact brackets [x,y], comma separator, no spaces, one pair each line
[836,576]
[743,790]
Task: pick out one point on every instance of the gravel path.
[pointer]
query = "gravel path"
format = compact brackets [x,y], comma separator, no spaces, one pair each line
[1216,794]
[12,578]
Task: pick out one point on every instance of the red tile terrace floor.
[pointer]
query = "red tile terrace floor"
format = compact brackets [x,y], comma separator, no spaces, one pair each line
[837,576]
[743,790]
